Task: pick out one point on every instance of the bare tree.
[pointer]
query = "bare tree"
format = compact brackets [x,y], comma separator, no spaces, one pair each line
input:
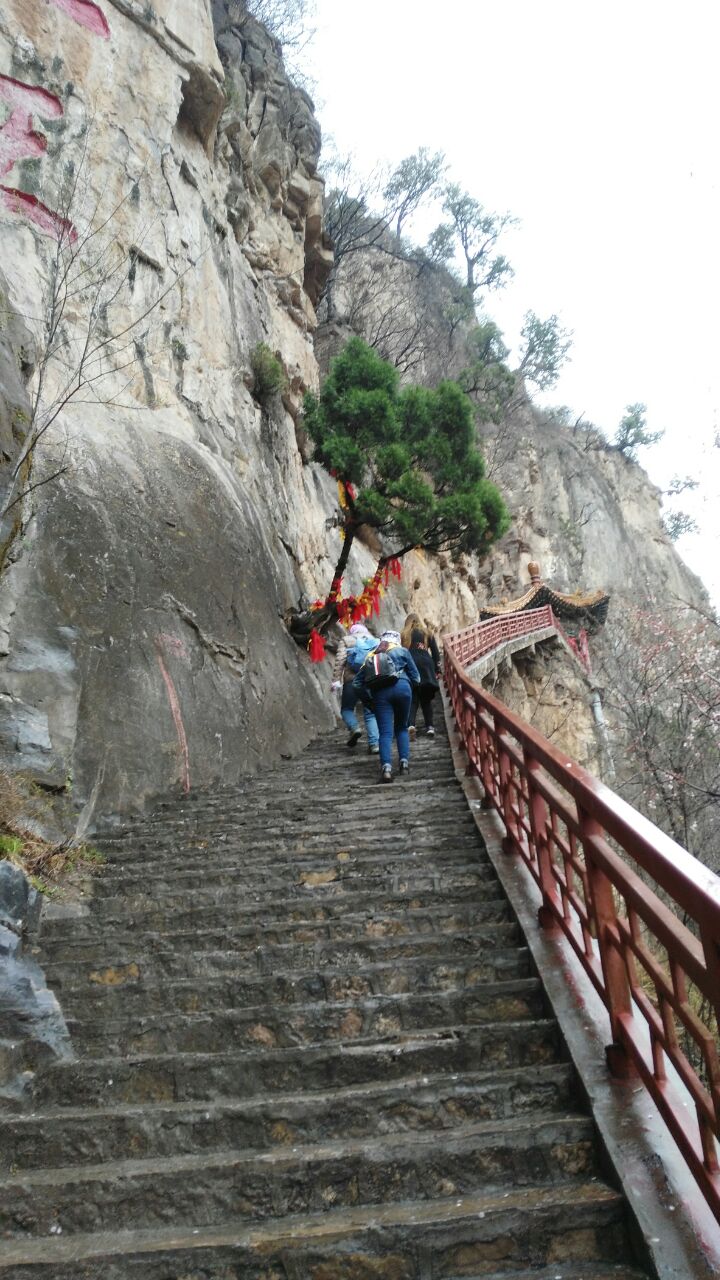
[291,22]
[678,523]
[476,232]
[545,350]
[632,432]
[83,354]
[663,695]
[415,178]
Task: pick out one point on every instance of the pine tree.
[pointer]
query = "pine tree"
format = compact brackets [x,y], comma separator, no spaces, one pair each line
[409,455]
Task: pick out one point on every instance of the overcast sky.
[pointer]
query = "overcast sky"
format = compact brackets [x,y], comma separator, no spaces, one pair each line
[597,126]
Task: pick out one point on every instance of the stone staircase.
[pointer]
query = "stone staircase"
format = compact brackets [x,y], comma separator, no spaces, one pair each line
[309,1045]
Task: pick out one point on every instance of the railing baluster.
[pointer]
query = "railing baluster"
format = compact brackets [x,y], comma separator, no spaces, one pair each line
[511,842]
[551,907]
[617,986]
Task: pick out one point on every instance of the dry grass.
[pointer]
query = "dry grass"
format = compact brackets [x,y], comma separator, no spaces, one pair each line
[48,864]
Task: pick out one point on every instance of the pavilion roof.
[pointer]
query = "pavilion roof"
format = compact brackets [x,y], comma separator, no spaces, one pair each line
[588,608]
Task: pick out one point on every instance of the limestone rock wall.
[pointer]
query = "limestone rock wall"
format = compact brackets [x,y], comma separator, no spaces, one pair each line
[591,517]
[551,692]
[143,592]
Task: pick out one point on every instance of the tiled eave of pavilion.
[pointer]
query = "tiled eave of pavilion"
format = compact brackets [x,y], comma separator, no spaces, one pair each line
[583,609]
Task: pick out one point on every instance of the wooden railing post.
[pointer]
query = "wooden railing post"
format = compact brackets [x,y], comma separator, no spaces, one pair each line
[470,734]
[615,976]
[486,768]
[711,951]
[550,910]
[511,842]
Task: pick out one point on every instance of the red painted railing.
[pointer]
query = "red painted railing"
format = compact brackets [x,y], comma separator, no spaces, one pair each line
[483,637]
[652,952]
[480,639]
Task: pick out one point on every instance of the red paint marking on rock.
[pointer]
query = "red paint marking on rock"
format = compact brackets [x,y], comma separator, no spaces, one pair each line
[19,141]
[46,220]
[87,14]
[176,715]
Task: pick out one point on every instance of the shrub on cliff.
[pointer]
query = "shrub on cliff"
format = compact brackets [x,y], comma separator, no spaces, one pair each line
[268,373]
[632,432]
[407,458]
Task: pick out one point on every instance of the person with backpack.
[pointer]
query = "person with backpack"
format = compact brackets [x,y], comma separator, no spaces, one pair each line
[388,675]
[352,652]
[414,623]
[423,693]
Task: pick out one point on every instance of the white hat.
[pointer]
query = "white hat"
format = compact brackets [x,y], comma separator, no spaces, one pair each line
[359,629]
[393,637]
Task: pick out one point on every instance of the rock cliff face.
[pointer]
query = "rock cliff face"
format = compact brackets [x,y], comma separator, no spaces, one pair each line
[143,591]
[142,642]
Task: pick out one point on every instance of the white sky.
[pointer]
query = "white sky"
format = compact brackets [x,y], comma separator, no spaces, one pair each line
[597,125]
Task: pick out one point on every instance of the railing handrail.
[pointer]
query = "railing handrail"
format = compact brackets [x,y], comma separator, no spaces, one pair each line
[481,638]
[559,818]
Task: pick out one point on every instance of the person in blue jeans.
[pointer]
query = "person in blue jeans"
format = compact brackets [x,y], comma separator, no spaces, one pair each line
[348,702]
[391,703]
[351,653]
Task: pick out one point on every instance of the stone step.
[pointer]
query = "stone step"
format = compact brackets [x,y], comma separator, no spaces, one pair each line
[72,930]
[372,943]
[300,876]
[211,1188]
[65,1136]
[189,995]
[247,1073]
[343,1021]
[335,779]
[333,775]
[266,836]
[406,1241]
[408,877]
[224,862]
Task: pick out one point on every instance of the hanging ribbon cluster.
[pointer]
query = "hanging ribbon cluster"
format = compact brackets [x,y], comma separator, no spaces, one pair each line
[354,608]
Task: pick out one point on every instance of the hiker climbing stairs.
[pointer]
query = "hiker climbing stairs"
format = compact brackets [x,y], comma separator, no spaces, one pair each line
[309,1043]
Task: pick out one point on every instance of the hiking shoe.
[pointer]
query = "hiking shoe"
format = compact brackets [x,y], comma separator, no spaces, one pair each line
[430,733]
[412,730]
[354,738]
[404,767]
[386,774]
[373,749]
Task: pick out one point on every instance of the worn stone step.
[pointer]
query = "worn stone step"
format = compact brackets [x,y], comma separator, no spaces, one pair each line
[90,1135]
[331,777]
[283,910]
[226,862]
[405,1241]
[253,927]
[343,1021]
[189,995]
[209,1188]
[408,877]
[375,943]
[298,789]
[224,927]
[246,1073]
[267,837]
[302,877]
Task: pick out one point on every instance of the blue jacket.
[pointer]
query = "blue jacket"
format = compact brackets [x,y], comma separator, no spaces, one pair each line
[402,659]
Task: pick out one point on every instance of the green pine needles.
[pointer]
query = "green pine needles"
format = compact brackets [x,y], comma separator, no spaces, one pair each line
[410,452]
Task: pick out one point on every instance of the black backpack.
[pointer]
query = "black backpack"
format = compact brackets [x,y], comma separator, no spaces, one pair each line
[380,669]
